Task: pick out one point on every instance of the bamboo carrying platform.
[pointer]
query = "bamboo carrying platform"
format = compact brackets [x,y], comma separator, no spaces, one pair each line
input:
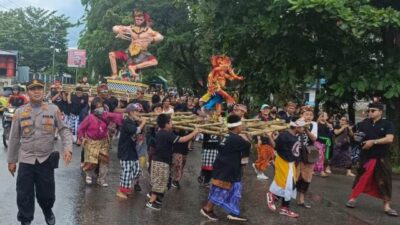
[117,89]
[188,122]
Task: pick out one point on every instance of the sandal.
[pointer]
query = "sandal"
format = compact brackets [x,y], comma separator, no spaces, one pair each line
[89,180]
[351,204]
[391,212]
[305,205]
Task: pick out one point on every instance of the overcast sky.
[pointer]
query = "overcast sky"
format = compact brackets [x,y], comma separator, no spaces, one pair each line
[71,8]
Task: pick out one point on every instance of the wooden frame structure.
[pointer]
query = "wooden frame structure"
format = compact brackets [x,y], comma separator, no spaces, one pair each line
[188,121]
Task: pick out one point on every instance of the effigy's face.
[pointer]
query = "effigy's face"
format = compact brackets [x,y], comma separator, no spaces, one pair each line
[139,20]
[224,62]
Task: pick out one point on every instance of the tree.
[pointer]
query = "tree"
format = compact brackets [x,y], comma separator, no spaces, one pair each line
[283,45]
[36,33]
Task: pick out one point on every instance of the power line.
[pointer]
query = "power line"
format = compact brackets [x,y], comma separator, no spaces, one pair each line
[15,4]
[4,7]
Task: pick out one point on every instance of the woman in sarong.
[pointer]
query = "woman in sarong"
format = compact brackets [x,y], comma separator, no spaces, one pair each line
[324,141]
[93,133]
[342,149]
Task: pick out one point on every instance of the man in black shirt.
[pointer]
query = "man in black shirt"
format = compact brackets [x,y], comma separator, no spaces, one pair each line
[284,184]
[226,185]
[374,175]
[78,102]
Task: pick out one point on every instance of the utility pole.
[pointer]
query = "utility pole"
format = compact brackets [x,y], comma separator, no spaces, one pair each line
[54,59]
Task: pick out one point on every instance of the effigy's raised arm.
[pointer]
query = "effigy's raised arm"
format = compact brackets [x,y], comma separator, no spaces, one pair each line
[122,32]
[231,75]
[157,37]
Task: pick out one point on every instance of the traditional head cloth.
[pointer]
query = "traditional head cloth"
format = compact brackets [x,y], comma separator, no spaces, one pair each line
[376,105]
[297,123]
[233,121]
[102,87]
[240,107]
[306,108]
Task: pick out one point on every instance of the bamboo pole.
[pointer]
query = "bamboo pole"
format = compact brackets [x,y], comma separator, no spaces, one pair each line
[210,124]
[185,122]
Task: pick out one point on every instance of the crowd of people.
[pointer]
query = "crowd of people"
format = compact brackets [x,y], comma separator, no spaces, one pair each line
[312,146]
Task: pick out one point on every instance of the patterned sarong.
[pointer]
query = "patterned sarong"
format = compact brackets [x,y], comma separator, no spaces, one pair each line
[208,157]
[374,178]
[284,179]
[319,166]
[96,151]
[228,199]
[159,177]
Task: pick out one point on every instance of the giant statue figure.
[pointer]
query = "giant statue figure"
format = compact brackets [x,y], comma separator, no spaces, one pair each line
[141,36]
[221,70]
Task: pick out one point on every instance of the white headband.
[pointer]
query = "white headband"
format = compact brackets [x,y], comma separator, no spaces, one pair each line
[230,125]
[298,123]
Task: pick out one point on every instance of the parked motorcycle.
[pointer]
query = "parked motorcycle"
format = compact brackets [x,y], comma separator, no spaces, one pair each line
[7,119]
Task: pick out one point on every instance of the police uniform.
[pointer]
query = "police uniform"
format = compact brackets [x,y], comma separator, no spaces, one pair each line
[31,144]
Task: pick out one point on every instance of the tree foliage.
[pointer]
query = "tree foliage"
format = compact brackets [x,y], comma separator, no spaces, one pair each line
[281,47]
[35,33]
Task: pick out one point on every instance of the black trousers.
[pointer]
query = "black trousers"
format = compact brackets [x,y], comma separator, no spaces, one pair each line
[37,178]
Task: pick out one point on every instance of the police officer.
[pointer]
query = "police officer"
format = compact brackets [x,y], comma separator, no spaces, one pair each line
[31,144]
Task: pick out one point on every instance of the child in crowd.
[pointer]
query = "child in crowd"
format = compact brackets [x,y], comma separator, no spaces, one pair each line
[179,155]
[127,149]
[160,166]
[209,153]
[265,154]
[151,135]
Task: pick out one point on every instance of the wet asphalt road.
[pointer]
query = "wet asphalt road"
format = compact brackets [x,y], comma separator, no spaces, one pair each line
[78,204]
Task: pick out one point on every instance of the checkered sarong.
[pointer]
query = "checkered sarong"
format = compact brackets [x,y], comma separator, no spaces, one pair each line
[129,171]
[72,123]
[208,157]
